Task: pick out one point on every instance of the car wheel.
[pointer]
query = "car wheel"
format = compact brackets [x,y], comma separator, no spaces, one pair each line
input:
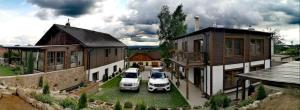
[138,90]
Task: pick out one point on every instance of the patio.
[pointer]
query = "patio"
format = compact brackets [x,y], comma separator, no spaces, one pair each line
[196,98]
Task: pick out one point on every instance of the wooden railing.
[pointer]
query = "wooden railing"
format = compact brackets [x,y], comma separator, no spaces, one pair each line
[189,58]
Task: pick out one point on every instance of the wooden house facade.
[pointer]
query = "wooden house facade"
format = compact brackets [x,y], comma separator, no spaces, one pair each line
[210,58]
[64,47]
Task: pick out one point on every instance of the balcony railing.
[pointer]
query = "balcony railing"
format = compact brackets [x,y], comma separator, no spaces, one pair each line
[189,58]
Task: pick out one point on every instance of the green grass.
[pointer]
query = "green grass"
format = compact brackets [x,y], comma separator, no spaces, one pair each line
[110,93]
[6,71]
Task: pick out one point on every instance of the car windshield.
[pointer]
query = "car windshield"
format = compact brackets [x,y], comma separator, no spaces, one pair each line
[157,75]
[157,70]
[131,75]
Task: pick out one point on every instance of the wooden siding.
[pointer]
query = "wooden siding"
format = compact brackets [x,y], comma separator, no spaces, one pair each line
[98,56]
[214,45]
[60,38]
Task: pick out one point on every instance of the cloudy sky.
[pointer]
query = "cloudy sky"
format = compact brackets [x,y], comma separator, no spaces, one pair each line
[135,21]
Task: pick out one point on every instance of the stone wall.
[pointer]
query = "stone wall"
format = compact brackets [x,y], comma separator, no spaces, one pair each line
[57,80]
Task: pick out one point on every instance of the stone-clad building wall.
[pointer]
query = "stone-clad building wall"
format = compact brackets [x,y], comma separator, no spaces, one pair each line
[57,80]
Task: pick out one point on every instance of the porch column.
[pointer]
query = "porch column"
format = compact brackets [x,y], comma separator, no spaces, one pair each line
[177,72]
[243,89]
[45,61]
[186,71]
[172,70]
[9,56]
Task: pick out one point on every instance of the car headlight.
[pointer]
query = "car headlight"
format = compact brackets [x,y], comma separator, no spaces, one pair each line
[167,84]
[151,84]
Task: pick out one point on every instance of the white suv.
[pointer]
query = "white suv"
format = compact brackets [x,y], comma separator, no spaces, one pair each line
[131,80]
[158,81]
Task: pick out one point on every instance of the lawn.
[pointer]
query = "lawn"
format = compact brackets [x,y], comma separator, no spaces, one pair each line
[6,71]
[110,92]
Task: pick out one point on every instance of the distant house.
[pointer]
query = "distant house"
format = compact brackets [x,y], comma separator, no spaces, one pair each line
[146,59]
[2,51]
[63,47]
[282,58]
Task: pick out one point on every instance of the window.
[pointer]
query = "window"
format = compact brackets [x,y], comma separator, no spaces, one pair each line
[106,52]
[234,47]
[176,46]
[76,58]
[116,51]
[256,47]
[106,71]
[115,68]
[184,46]
[55,60]
[230,79]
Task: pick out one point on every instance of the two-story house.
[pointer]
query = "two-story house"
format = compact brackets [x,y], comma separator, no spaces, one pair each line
[211,57]
[63,47]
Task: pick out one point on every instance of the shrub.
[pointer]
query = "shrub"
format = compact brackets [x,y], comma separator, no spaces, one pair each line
[128,105]
[219,100]
[45,98]
[151,108]
[140,106]
[261,92]
[105,77]
[68,103]
[245,102]
[46,89]
[82,103]
[41,82]
[118,106]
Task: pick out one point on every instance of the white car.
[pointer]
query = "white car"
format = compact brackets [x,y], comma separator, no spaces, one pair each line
[158,81]
[157,69]
[131,80]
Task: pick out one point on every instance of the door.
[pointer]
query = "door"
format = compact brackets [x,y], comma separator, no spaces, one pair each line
[199,78]
[197,74]
[95,76]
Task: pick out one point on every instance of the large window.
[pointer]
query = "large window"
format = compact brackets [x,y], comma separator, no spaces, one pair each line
[230,78]
[55,60]
[256,47]
[76,58]
[234,47]
[184,46]
[107,51]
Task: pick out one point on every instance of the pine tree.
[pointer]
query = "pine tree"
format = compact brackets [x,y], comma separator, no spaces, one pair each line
[46,89]
[261,93]
[82,103]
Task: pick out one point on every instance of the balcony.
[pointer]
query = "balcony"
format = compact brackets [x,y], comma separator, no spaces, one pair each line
[189,58]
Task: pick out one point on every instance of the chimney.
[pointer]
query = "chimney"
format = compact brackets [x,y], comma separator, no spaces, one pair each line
[197,23]
[68,23]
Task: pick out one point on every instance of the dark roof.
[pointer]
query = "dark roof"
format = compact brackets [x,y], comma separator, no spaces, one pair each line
[89,38]
[155,55]
[224,29]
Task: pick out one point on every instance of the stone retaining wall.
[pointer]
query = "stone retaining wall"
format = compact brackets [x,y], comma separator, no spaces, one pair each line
[57,80]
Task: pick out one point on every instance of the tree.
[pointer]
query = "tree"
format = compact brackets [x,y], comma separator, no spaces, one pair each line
[178,26]
[170,26]
[82,103]
[30,63]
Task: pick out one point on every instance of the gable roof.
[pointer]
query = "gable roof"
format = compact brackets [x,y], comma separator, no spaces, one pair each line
[87,38]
